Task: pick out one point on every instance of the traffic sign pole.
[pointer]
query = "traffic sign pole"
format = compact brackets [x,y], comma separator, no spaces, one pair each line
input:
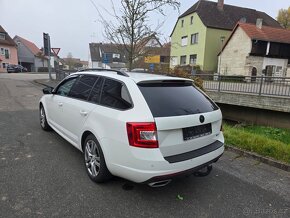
[49,58]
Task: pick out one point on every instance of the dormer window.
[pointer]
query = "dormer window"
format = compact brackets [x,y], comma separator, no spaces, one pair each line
[2,36]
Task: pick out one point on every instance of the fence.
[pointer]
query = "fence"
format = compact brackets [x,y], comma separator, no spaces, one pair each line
[61,74]
[259,85]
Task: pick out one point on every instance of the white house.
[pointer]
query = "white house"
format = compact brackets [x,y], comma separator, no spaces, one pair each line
[255,50]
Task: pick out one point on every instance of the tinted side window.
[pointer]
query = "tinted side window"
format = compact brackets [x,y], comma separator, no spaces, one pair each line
[82,88]
[65,88]
[96,91]
[115,95]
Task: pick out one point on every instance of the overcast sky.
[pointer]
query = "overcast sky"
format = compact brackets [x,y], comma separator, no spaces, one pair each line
[73,24]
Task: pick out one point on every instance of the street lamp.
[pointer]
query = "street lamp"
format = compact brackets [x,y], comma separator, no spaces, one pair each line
[222,38]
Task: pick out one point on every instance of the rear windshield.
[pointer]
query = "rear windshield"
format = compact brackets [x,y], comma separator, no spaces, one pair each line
[166,99]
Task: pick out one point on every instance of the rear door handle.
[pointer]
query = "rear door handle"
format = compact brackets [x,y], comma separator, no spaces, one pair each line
[83,113]
[60,104]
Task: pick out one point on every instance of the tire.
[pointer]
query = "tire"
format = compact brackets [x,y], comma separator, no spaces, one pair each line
[43,121]
[94,160]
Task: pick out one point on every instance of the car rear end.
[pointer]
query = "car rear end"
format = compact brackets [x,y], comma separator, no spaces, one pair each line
[184,135]
[11,68]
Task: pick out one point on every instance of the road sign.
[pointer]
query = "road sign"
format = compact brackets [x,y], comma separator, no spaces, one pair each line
[105,58]
[55,50]
[152,59]
[151,67]
[46,44]
[47,51]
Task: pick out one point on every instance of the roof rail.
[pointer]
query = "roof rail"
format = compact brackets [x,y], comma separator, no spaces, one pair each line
[101,69]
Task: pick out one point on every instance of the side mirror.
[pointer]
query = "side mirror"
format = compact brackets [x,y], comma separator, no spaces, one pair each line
[47,90]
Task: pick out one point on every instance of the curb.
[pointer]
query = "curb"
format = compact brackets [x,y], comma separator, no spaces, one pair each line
[40,83]
[266,160]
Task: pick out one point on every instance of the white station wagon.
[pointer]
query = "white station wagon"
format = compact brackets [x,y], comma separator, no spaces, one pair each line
[142,127]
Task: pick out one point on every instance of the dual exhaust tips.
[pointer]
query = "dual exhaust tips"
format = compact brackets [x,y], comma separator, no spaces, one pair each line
[199,173]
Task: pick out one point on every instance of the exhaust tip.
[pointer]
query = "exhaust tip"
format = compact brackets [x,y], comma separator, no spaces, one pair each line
[159,183]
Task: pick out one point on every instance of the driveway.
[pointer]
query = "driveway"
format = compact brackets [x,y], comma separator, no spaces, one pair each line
[42,175]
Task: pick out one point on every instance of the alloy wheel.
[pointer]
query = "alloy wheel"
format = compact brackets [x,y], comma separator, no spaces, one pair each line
[42,117]
[92,158]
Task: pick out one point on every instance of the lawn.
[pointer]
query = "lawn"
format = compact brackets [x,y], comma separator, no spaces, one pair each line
[266,141]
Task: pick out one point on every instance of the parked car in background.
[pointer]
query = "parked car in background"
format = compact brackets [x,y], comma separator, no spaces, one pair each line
[11,68]
[142,127]
[139,70]
[124,69]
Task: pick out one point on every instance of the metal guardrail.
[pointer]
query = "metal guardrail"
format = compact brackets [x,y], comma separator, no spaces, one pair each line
[259,85]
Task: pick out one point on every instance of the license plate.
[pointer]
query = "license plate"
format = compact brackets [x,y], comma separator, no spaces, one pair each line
[196,131]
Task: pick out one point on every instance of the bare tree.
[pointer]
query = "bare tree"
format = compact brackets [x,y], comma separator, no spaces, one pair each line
[130,27]
[69,60]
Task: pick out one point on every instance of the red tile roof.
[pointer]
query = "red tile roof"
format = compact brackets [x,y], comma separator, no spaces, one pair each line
[268,34]
[8,40]
[30,45]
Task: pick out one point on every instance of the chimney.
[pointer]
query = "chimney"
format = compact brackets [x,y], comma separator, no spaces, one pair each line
[220,4]
[259,23]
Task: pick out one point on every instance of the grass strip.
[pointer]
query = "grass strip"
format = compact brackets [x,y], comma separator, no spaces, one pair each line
[270,143]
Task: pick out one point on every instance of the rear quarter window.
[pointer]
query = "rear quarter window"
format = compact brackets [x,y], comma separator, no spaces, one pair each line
[166,99]
[115,95]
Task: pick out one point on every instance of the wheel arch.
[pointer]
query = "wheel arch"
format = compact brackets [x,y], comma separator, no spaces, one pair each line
[85,134]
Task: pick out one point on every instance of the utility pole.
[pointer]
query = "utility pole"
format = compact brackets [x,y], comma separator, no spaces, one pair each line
[47,51]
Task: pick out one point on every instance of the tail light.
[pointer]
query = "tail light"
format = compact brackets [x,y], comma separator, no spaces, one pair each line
[143,135]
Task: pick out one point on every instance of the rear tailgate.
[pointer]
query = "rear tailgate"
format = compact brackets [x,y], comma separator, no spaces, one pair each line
[186,118]
[174,132]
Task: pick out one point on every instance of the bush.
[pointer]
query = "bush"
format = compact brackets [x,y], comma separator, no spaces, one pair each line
[233,78]
[185,72]
[42,69]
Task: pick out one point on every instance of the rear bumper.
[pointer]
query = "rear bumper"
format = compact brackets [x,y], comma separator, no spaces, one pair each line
[182,173]
[147,165]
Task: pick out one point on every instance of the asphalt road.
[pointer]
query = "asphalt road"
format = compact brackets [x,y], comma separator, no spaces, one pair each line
[41,175]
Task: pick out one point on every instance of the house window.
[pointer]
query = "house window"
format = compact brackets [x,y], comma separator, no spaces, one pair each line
[191,20]
[2,36]
[2,52]
[182,23]
[279,71]
[174,61]
[194,38]
[183,60]
[116,55]
[192,59]
[184,41]
[7,56]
